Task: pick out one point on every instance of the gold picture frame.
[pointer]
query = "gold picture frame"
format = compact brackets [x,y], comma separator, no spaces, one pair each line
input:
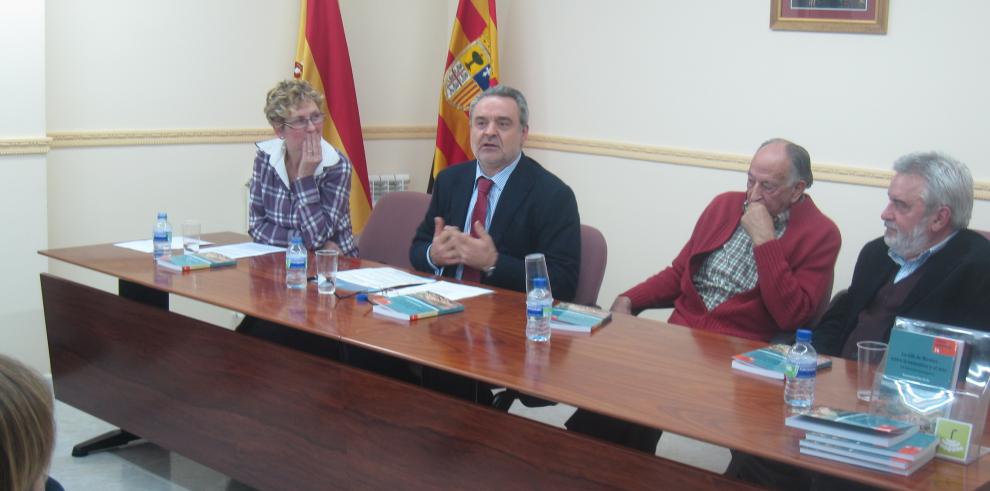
[857,16]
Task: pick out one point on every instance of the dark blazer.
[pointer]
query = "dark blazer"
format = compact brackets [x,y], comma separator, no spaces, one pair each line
[536,212]
[954,290]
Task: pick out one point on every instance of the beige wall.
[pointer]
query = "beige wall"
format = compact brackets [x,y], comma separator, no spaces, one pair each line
[23,202]
[690,76]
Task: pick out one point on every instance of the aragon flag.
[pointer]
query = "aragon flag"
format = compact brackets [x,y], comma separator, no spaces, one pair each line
[472,67]
[323,61]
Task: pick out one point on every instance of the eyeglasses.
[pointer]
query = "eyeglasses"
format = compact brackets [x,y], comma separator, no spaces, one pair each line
[301,123]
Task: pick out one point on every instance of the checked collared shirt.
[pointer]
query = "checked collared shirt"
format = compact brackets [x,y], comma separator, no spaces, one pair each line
[317,207]
[731,269]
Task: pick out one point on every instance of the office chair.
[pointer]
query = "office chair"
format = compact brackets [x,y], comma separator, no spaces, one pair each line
[594,256]
[390,229]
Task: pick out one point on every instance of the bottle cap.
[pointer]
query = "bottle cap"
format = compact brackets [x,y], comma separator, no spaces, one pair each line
[804,335]
[540,282]
[162,214]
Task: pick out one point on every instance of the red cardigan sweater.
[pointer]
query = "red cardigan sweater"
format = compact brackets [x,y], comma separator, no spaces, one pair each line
[795,273]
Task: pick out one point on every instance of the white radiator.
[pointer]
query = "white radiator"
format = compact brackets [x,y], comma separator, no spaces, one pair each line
[387,183]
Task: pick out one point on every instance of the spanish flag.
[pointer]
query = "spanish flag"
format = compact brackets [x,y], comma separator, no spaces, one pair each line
[322,60]
[472,67]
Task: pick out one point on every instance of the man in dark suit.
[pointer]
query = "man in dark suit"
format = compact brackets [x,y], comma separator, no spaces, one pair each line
[487,215]
[522,209]
[927,266]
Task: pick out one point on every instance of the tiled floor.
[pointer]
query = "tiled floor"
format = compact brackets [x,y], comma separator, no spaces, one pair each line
[146,466]
[143,466]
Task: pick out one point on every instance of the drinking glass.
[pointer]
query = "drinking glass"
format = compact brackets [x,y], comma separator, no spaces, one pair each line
[190,236]
[536,267]
[326,270]
[869,354]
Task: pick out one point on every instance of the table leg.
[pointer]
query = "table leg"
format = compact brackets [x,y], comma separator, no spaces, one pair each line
[143,294]
[106,441]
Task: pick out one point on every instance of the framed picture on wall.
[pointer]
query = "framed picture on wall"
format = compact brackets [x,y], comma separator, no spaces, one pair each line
[862,16]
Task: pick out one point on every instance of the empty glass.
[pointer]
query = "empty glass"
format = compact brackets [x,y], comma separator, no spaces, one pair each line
[869,354]
[326,271]
[190,236]
[536,267]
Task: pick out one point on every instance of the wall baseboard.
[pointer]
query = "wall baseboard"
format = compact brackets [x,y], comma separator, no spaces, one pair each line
[864,176]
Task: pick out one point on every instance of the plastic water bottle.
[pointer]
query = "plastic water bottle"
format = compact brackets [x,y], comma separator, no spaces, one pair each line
[539,306]
[802,363]
[162,236]
[295,264]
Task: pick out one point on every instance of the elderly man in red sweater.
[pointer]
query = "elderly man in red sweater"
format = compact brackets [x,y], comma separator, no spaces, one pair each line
[758,263]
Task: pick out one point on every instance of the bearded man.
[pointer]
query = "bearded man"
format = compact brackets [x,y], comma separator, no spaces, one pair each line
[927,266]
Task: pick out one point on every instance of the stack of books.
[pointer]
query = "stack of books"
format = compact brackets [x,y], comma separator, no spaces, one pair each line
[863,439]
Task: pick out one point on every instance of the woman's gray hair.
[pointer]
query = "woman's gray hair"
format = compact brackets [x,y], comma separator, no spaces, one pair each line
[947,183]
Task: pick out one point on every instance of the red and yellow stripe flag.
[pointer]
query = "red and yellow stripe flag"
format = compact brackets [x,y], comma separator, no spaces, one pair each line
[322,60]
[472,67]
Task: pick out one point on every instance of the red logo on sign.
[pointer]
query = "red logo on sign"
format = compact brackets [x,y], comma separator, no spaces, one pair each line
[944,347]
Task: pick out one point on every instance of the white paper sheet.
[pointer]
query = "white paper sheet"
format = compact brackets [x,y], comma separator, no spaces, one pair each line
[380,278]
[149,247]
[245,249]
[453,291]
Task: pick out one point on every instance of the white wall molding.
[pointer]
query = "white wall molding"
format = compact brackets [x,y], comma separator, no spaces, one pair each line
[668,155]
[116,138]
[711,160]
[24,146]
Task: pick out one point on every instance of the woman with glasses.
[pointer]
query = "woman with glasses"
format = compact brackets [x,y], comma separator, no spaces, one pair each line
[300,184]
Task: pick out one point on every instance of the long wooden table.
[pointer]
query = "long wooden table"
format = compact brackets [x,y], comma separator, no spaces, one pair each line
[275,418]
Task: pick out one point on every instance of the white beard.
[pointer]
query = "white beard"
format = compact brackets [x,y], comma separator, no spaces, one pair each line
[907,245]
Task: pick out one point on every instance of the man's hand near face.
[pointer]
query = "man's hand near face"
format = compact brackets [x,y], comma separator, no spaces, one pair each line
[758,223]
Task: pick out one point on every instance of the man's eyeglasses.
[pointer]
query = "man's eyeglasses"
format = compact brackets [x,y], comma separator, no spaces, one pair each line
[301,123]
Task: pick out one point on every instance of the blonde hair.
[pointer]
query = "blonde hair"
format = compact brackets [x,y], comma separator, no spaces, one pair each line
[287,95]
[27,428]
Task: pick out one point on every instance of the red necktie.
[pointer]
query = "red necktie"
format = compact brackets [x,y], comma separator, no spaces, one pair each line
[478,215]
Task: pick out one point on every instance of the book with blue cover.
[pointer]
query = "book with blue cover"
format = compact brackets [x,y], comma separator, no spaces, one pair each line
[900,468]
[419,305]
[770,361]
[580,318]
[918,447]
[199,260]
[853,425]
